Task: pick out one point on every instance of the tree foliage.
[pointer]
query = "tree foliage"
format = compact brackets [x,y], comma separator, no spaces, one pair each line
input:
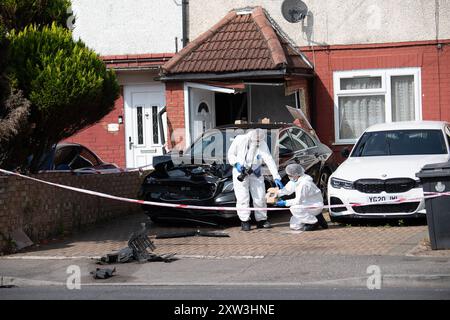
[67,84]
[17,14]
[14,110]
[50,85]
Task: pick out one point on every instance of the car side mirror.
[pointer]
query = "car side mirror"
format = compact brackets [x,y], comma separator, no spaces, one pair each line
[345,153]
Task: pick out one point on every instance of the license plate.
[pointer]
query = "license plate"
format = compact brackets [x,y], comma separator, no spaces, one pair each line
[377,199]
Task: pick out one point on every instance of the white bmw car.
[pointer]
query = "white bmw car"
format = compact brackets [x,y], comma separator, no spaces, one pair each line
[382,167]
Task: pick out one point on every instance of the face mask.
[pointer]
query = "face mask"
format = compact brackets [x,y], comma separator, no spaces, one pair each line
[293,179]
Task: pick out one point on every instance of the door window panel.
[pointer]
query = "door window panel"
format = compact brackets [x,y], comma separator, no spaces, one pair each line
[155,126]
[140,125]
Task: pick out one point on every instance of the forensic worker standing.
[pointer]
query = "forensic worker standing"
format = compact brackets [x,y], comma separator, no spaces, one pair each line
[306,194]
[247,153]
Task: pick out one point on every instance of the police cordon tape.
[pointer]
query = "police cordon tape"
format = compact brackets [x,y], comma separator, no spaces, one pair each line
[428,195]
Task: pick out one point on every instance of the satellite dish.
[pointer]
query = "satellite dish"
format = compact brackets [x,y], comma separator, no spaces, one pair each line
[294,10]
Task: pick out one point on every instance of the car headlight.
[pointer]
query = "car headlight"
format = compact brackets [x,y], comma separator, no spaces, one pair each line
[340,183]
[228,186]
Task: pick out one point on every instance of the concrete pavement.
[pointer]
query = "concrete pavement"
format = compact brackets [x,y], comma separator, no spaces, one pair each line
[338,258]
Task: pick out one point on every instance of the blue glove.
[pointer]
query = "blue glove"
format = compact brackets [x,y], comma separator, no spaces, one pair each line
[281,203]
[239,167]
[279,184]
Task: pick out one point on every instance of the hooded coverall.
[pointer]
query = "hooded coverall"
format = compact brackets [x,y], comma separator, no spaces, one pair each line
[245,151]
[306,194]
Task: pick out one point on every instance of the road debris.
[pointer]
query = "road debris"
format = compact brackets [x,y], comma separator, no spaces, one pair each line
[6,286]
[20,239]
[103,273]
[122,256]
[138,250]
[195,233]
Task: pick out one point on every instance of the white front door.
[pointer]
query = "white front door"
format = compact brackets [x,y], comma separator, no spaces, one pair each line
[142,126]
[202,111]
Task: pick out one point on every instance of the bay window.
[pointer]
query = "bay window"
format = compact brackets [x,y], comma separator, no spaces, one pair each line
[366,97]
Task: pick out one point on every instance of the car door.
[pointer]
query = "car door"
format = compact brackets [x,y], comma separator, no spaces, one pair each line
[286,150]
[307,153]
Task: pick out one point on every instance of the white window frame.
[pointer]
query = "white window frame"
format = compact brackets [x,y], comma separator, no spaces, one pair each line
[385,90]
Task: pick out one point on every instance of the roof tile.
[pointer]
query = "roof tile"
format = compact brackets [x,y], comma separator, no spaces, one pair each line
[237,43]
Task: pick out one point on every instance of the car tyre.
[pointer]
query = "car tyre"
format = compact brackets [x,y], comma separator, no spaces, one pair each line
[323,184]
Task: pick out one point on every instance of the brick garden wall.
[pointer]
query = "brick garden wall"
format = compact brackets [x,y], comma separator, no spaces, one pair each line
[43,211]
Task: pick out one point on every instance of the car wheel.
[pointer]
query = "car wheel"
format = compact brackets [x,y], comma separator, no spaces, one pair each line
[323,184]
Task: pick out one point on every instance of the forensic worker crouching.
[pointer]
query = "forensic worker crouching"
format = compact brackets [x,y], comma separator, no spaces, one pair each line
[247,153]
[306,194]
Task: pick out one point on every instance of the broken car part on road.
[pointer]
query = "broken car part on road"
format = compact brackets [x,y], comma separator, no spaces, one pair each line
[198,232]
[103,273]
[137,250]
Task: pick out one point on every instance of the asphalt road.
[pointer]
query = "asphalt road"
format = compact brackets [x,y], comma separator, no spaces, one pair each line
[308,271]
[270,278]
[220,293]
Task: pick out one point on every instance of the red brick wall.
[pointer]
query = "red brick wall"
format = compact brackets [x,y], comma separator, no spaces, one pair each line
[175,114]
[110,146]
[434,63]
[44,211]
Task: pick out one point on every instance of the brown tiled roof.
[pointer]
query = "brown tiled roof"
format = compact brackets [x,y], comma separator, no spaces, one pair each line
[238,42]
[132,61]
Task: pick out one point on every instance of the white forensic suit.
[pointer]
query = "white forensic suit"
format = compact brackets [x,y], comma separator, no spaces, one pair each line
[249,154]
[306,194]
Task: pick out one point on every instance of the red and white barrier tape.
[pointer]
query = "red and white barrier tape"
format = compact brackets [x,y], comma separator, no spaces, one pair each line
[428,195]
[140,169]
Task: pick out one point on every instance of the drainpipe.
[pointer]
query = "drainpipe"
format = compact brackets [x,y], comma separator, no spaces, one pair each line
[184,12]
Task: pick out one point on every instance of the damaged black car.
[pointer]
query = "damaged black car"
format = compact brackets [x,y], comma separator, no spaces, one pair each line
[202,176]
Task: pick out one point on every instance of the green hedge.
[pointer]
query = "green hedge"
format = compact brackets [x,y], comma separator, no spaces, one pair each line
[67,84]
[17,14]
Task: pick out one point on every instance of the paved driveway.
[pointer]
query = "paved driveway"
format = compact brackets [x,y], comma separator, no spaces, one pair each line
[278,241]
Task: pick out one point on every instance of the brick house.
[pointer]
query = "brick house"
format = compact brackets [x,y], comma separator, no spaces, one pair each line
[347,65]
[243,68]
